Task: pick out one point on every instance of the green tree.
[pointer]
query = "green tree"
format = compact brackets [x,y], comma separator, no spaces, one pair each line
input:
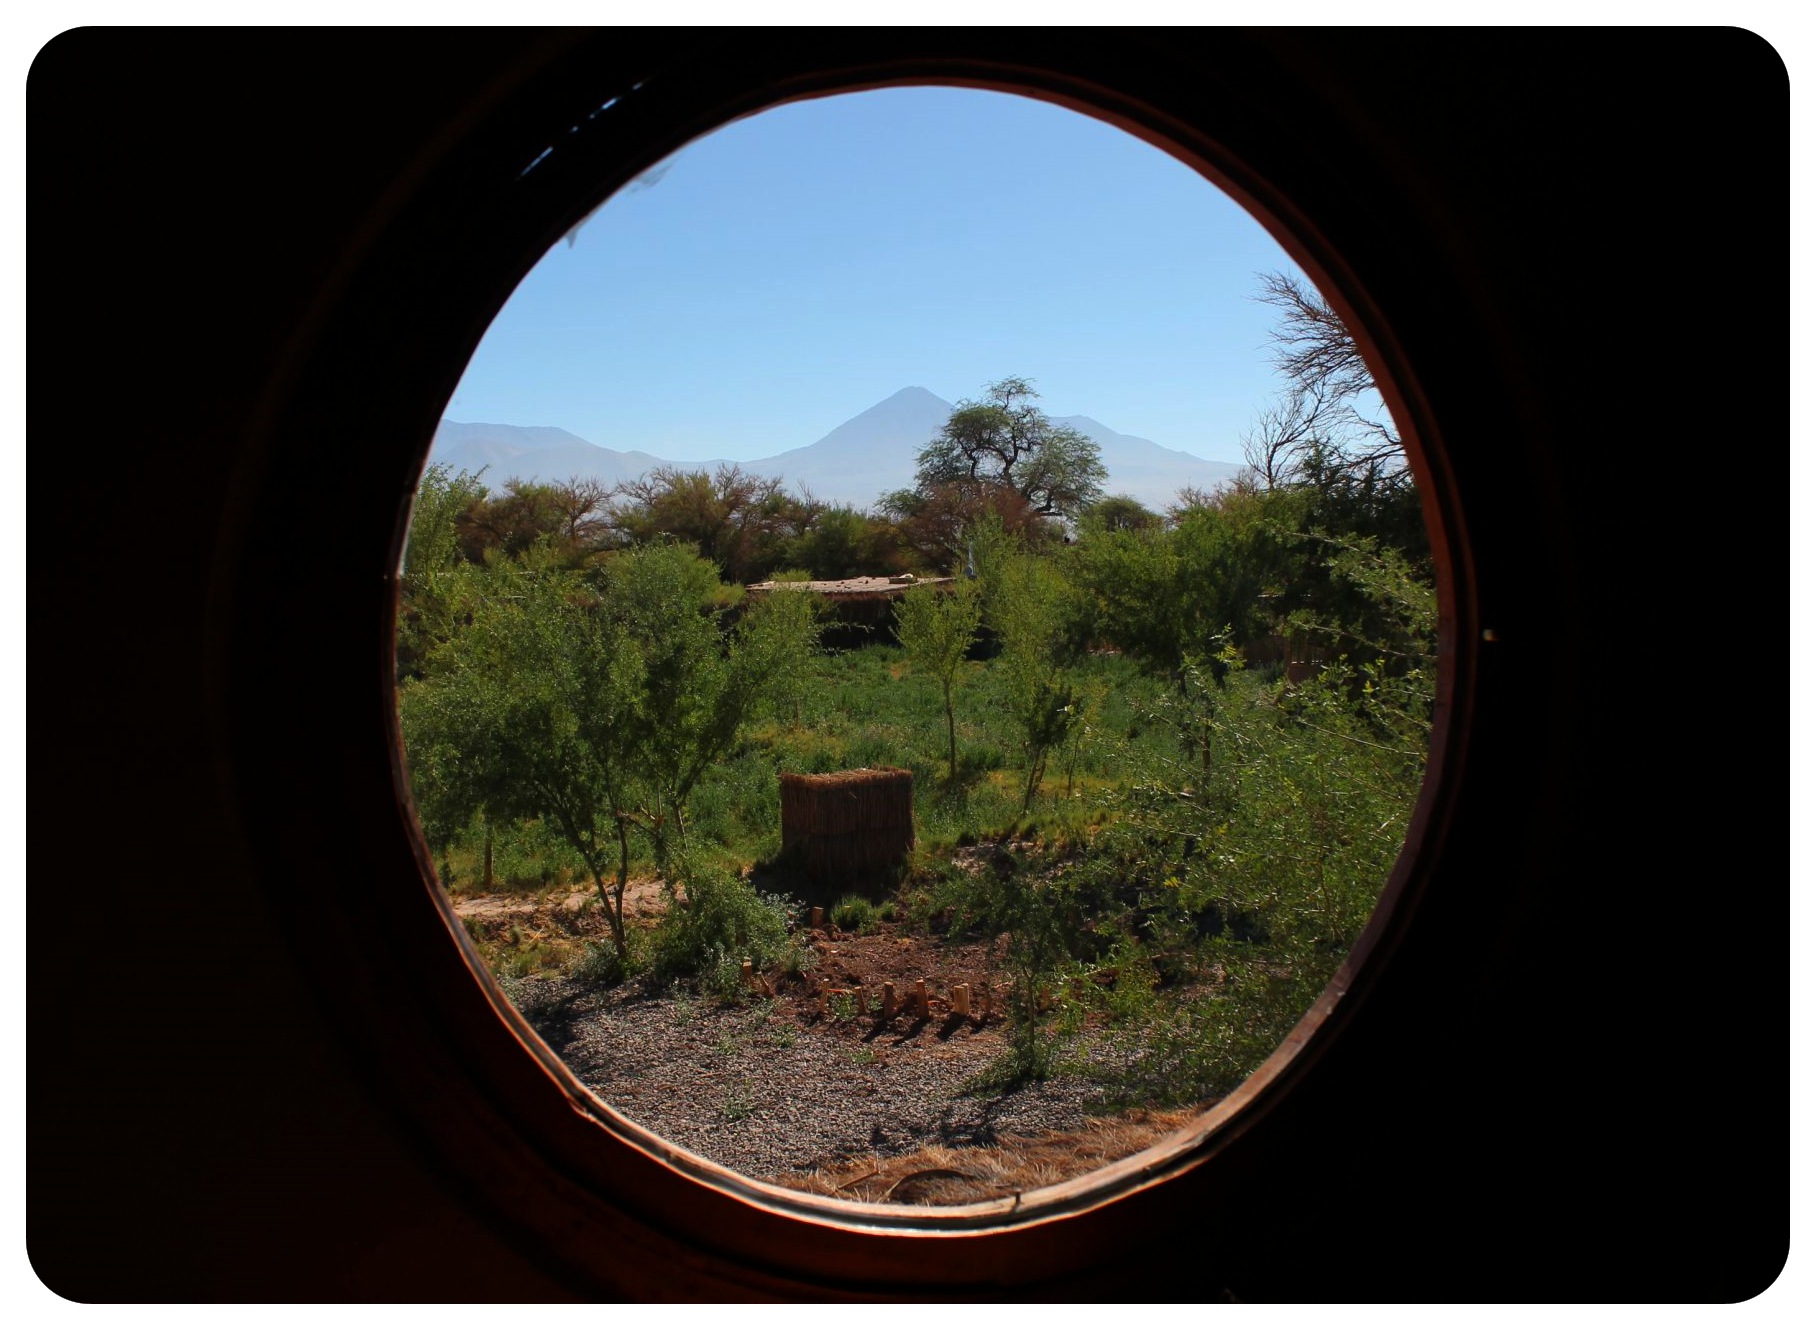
[695,680]
[1232,564]
[1264,862]
[841,542]
[568,517]
[1306,805]
[743,523]
[1044,628]
[1134,576]
[1120,512]
[1006,441]
[1008,898]
[520,715]
[594,701]
[442,499]
[430,580]
[1213,576]
[934,522]
[936,626]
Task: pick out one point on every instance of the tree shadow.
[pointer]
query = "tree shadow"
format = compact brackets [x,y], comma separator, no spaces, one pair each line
[954,788]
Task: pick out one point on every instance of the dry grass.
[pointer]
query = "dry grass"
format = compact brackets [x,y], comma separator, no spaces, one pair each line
[946,1175]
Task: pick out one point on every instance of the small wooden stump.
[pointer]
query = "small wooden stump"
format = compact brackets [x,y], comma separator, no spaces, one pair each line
[817,919]
[888,1001]
[961,999]
[920,999]
[744,972]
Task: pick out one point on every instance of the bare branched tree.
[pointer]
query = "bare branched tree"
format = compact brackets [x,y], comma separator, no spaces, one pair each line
[1313,347]
[1275,446]
[581,503]
[1323,416]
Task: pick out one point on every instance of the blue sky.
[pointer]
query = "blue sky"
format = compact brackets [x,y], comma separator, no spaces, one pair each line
[789,270]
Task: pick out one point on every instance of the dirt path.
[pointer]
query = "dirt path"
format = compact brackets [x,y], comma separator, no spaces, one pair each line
[642,900]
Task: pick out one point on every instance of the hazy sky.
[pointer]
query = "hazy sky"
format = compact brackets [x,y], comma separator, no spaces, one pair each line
[786,272]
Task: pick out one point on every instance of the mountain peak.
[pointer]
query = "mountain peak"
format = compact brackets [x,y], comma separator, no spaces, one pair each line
[913,401]
[869,454]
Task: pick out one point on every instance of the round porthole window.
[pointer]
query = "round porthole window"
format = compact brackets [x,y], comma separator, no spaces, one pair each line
[971,842]
[922,803]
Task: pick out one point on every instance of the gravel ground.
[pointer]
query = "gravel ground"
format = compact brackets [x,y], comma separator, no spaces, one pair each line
[769,1089]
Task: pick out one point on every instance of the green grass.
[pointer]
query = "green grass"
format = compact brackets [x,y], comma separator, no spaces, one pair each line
[527,857]
[854,914]
[868,708]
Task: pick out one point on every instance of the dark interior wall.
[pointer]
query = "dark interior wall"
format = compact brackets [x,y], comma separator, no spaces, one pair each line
[1571,1081]
[196,1131]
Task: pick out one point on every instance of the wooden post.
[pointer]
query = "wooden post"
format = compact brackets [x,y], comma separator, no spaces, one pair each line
[817,919]
[961,999]
[888,1001]
[920,998]
[745,974]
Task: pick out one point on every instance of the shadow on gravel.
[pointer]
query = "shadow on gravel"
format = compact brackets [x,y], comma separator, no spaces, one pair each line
[978,1130]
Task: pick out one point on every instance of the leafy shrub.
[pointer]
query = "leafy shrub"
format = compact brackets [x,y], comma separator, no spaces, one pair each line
[723,922]
[597,967]
[937,893]
[1200,1050]
[797,958]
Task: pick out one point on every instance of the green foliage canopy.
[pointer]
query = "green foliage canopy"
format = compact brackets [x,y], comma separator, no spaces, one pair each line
[1043,622]
[936,627]
[1163,593]
[1005,440]
[429,587]
[743,523]
[595,701]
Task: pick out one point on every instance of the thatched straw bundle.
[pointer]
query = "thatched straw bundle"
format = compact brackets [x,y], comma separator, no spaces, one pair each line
[848,823]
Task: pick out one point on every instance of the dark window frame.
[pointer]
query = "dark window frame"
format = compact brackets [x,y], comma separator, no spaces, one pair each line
[408,999]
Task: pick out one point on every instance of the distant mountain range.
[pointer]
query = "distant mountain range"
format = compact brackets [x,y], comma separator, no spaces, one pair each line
[867,456]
